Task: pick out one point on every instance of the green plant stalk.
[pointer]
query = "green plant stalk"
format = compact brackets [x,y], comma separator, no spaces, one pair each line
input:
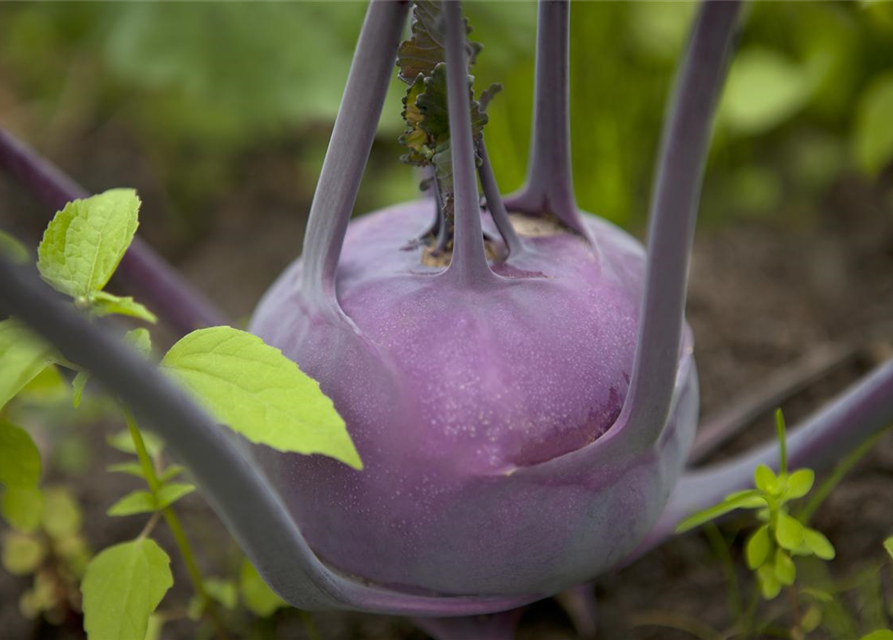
[173,523]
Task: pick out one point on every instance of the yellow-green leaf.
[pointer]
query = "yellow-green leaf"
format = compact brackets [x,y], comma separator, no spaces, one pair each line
[62,515]
[258,392]
[105,304]
[758,547]
[22,357]
[873,136]
[122,587]
[170,493]
[22,508]
[818,544]
[22,554]
[800,483]
[84,243]
[19,457]
[12,249]
[788,532]
[258,597]
[765,479]
[133,503]
[785,569]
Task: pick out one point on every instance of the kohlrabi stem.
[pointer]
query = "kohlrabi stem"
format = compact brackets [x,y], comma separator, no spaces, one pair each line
[469,261]
[142,270]
[861,412]
[173,523]
[235,488]
[674,207]
[550,181]
[496,205]
[352,136]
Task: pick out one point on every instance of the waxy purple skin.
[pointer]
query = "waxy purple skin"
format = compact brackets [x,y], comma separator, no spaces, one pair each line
[476,412]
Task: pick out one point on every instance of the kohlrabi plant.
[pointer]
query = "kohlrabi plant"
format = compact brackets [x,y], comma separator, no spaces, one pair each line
[516,376]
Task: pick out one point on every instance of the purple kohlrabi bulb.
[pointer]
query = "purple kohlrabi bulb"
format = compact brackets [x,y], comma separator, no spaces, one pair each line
[478,412]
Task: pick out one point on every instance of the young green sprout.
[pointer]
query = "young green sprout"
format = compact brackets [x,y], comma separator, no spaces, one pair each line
[781,536]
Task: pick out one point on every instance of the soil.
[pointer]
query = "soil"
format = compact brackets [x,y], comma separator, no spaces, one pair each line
[763,293]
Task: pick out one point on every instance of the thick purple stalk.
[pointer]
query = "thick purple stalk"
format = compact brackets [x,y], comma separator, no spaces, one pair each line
[469,262]
[495,204]
[865,409]
[231,481]
[674,207]
[348,152]
[550,180]
[142,270]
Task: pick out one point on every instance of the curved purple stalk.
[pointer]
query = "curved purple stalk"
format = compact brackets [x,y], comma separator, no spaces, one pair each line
[469,262]
[495,204]
[550,180]
[237,490]
[865,409]
[142,270]
[674,207]
[351,142]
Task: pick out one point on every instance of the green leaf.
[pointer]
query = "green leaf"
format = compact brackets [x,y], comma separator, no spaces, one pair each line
[880,634]
[123,585]
[785,569]
[22,554]
[800,483]
[124,443]
[788,532]
[765,479]
[133,503]
[770,587]
[19,457]
[764,88]
[735,501]
[425,48]
[130,468]
[873,135]
[223,591]
[758,547]
[46,387]
[77,388]
[106,304]
[22,508]
[258,597]
[24,356]
[84,243]
[139,339]
[156,624]
[170,493]
[12,249]
[62,516]
[888,545]
[818,544]
[171,472]
[259,393]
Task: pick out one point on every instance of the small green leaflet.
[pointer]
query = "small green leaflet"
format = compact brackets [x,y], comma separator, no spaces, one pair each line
[123,585]
[23,357]
[19,457]
[105,304]
[259,393]
[258,597]
[873,136]
[22,508]
[22,554]
[124,443]
[880,634]
[736,501]
[84,243]
[144,502]
[888,545]
[62,516]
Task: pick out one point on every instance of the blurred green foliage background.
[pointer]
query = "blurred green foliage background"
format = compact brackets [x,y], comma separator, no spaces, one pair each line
[808,102]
